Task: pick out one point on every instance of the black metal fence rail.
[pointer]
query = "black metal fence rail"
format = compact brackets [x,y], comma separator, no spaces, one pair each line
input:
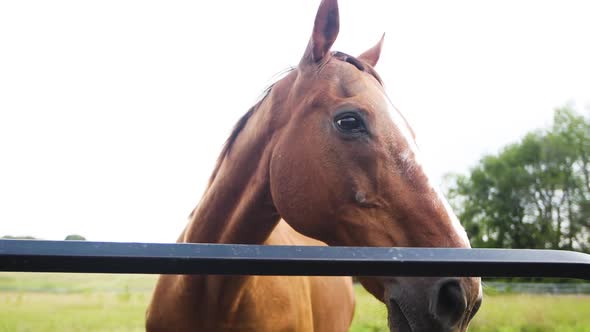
[152,258]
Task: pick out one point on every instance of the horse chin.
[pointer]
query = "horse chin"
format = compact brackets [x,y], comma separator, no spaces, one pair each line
[397,319]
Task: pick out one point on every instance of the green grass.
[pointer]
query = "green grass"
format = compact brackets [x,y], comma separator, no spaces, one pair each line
[533,313]
[71,312]
[95,302]
[73,302]
[370,314]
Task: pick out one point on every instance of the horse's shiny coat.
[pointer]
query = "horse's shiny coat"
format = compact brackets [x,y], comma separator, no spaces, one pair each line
[324,158]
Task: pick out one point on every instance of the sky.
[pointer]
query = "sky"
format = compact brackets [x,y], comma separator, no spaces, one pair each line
[112,113]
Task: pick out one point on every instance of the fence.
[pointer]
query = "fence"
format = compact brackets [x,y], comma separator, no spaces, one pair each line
[538,288]
[151,258]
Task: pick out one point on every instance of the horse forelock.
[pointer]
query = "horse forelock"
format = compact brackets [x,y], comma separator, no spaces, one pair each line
[360,65]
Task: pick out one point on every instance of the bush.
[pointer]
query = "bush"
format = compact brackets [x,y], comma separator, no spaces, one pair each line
[75,237]
[25,237]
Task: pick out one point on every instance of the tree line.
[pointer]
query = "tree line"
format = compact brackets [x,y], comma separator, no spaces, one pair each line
[71,237]
[532,194]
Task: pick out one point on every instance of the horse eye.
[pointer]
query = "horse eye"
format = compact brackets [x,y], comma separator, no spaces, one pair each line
[350,124]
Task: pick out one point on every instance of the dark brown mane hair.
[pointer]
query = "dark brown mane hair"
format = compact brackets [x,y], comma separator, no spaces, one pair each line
[242,123]
[231,139]
[360,65]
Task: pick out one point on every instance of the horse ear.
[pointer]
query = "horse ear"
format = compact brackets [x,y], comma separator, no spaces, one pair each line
[371,56]
[325,31]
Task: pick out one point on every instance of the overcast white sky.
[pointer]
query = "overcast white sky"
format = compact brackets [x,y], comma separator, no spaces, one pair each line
[112,113]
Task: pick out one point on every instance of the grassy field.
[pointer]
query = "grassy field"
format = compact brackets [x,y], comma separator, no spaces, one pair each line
[83,302]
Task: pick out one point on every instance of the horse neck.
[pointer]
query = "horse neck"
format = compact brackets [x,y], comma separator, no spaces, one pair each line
[237,206]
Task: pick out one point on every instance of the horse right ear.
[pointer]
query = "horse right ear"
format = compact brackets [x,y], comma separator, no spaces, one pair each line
[325,31]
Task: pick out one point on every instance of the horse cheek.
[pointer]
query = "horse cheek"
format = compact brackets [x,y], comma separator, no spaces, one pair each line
[297,191]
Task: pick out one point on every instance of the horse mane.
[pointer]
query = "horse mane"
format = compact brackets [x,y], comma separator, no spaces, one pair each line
[231,139]
[243,121]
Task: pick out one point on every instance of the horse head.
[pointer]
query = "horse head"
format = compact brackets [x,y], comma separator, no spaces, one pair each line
[345,169]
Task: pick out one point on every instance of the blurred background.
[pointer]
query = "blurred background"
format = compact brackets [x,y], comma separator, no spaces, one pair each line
[112,115]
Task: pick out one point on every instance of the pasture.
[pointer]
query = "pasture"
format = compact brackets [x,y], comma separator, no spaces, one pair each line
[94,302]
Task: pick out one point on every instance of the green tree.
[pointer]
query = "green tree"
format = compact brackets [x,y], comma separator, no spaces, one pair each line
[533,194]
[75,237]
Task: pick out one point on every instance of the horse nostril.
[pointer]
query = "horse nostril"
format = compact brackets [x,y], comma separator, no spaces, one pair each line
[449,304]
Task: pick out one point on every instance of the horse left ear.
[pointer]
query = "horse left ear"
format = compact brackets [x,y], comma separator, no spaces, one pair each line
[325,31]
[371,56]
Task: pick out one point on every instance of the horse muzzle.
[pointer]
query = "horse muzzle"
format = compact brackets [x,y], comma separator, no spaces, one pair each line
[430,304]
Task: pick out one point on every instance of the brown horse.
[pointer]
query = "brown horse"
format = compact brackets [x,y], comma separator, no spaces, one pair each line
[323,158]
